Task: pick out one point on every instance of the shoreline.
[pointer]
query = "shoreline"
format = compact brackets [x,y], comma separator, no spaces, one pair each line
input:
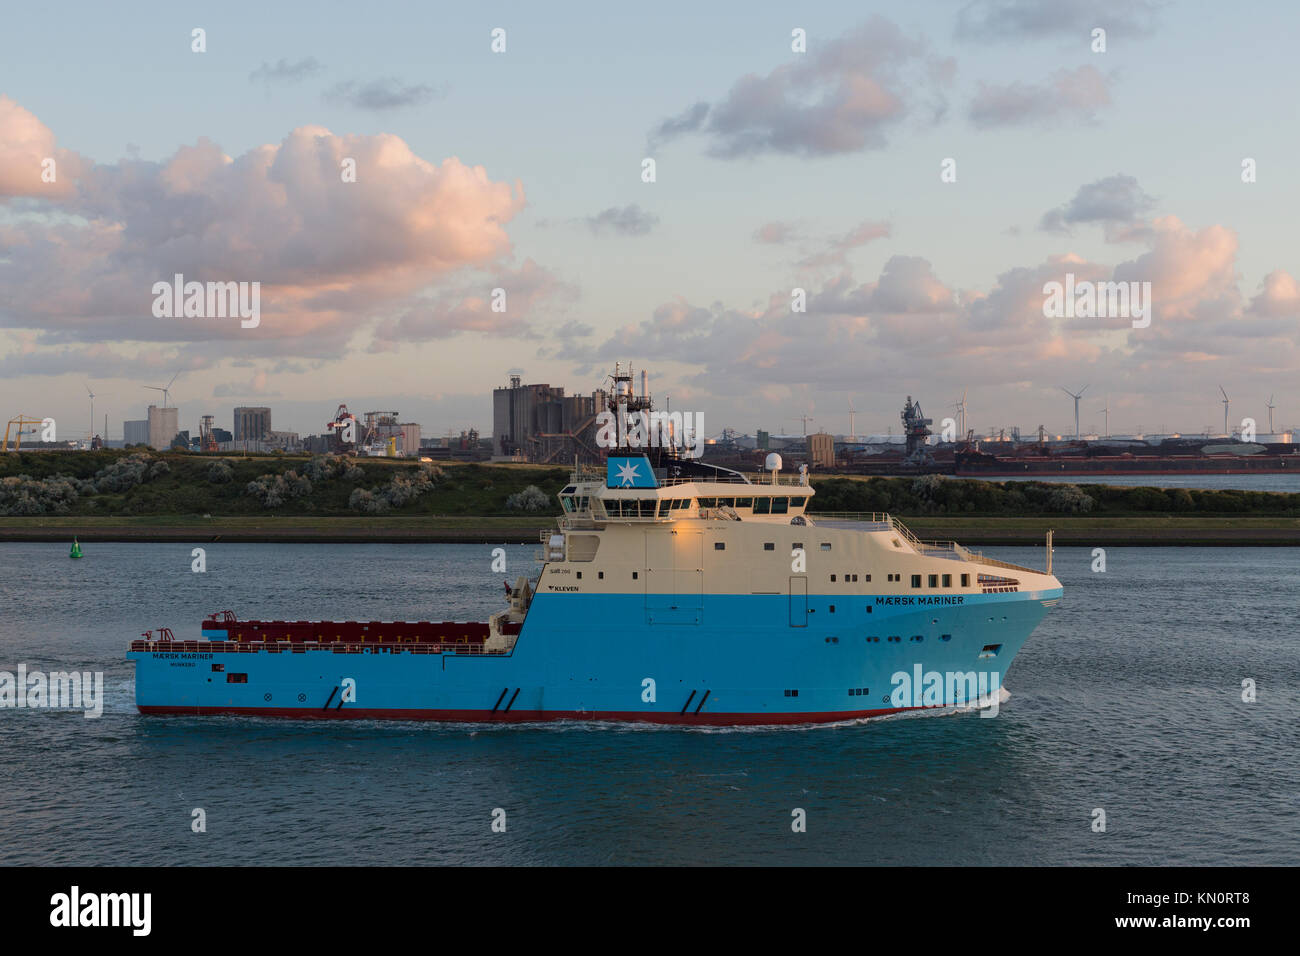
[1136,531]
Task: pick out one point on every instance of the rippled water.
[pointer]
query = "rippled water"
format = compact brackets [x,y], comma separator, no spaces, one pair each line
[1127,699]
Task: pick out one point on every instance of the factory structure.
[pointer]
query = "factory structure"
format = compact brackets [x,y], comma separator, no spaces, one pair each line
[539,423]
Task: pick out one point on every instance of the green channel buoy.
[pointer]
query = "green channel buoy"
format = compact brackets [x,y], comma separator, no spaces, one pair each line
[76,549]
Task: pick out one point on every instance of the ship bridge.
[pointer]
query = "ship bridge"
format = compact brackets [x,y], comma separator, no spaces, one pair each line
[634,498]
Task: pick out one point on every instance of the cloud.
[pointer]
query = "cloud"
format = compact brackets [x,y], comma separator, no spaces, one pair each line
[1017,19]
[25,145]
[379,95]
[282,71]
[839,98]
[837,249]
[108,362]
[330,255]
[1280,297]
[625,221]
[1116,199]
[775,233]
[1068,94]
[1193,274]
[528,291]
[908,323]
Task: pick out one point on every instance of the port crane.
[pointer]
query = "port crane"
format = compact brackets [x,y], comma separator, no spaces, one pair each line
[20,421]
[345,423]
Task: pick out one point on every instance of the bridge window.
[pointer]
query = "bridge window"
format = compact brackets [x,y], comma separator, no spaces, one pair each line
[780,506]
[744,502]
[797,502]
[762,506]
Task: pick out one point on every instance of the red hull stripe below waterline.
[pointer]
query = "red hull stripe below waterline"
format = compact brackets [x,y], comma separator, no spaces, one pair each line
[524,716]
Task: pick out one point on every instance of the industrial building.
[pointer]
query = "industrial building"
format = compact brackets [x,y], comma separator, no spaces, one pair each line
[163,426]
[136,432]
[539,423]
[252,423]
[821,449]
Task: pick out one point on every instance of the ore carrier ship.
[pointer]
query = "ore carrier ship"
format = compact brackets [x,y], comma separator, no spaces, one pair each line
[683,594]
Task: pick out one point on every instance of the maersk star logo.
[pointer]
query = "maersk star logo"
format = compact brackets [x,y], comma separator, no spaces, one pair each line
[629,473]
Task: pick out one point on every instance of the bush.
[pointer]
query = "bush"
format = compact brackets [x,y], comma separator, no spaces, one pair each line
[23,495]
[125,473]
[531,498]
[220,472]
[1069,499]
[274,490]
[401,490]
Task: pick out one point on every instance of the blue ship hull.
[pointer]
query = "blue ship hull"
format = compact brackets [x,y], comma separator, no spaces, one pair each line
[734,659]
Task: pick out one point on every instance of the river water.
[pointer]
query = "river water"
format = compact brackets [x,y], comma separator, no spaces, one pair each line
[1127,700]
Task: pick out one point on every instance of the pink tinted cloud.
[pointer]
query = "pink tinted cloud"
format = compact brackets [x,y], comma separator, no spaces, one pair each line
[329,254]
[25,144]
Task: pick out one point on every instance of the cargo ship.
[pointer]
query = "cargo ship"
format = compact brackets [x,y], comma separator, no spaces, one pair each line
[1178,456]
[669,593]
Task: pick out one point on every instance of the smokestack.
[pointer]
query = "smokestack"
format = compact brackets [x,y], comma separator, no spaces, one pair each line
[645,384]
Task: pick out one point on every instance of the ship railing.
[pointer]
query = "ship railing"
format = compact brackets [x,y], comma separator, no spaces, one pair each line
[982,559]
[934,548]
[883,521]
[583,522]
[336,647]
[785,481]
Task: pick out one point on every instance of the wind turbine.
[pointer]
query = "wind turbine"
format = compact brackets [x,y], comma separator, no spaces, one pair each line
[165,389]
[1076,398]
[1271,406]
[853,423]
[1225,413]
[1107,411]
[961,414]
[92,411]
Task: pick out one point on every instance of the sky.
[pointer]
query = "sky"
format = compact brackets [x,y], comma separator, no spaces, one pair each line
[921,171]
